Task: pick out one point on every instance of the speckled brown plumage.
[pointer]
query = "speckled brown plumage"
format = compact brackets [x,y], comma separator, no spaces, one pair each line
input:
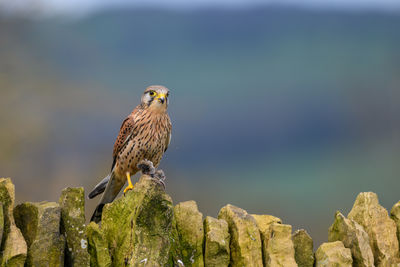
[144,134]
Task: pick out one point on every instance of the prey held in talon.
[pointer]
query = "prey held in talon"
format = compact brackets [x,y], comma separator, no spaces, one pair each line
[143,138]
[147,167]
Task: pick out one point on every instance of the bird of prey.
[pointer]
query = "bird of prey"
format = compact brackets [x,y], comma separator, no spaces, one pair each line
[144,136]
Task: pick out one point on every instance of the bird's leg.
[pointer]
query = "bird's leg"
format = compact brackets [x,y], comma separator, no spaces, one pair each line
[130,185]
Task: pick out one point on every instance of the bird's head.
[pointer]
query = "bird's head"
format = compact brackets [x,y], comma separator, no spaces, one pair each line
[155,97]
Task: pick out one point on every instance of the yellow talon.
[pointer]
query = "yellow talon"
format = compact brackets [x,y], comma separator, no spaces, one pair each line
[130,185]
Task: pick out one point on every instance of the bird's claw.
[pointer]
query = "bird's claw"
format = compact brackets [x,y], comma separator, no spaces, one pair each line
[130,185]
[159,177]
[160,182]
[128,188]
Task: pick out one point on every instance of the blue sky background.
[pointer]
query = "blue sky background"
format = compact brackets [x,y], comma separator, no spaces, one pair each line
[75,7]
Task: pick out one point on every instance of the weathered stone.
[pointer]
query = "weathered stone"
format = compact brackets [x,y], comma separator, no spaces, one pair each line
[264,225]
[97,246]
[333,254]
[217,238]
[13,245]
[353,237]
[137,227]
[175,255]
[303,248]
[395,215]
[189,225]
[380,228]
[280,249]
[1,222]
[15,250]
[40,226]
[264,221]
[245,243]
[72,202]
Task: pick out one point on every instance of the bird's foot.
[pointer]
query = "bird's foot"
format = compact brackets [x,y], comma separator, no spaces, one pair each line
[130,185]
[128,188]
[159,177]
[147,167]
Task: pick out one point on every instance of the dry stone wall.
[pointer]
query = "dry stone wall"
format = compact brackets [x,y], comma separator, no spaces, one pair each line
[144,228]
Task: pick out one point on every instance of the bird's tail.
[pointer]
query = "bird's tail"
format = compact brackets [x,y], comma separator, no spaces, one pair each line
[100,187]
[111,190]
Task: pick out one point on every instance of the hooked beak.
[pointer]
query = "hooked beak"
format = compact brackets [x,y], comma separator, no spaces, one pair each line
[161,98]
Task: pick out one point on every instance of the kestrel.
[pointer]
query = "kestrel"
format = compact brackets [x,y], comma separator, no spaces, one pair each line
[144,136]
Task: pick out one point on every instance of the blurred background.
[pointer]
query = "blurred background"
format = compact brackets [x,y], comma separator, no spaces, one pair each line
[289,108]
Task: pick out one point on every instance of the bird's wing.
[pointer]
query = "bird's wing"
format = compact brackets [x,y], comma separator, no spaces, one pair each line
[125,132]
[169,135]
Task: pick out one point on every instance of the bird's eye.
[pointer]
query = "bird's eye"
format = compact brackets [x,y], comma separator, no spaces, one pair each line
[152,93]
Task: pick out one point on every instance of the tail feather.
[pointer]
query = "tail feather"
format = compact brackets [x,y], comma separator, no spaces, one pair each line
[100,187]
[112,188]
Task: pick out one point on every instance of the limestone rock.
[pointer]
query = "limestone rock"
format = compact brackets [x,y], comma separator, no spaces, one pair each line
[380,228]
[245,243]
[97,246]
[303,248]
[40,226]
[175,255]
[217,238]
[15,250]
[137,227]
[72,202]
[353,237]
[264,221]
[264,225]
[13,246]
[189,225]
[333,254]
[1,222]
[395,215]
[280,249]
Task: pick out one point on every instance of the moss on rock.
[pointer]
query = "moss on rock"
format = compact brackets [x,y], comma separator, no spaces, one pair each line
[13,247]
[303,248]
[1,222]
[353,237]
[264,223]
[189,225]
[97,246]
[280,249]
[333,254]
[395,215]
[72,203]
[137,227]
[380,228]
[216,247]
[175,255]
[40,226]
[245,243]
